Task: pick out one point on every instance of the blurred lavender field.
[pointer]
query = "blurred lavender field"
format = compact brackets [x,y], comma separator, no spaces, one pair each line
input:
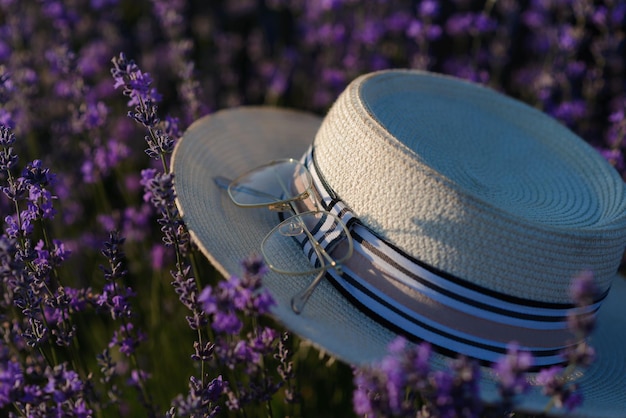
[79,299]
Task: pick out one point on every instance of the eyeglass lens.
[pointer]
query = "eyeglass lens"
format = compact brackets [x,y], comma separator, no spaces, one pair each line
[322,235]
[278,181]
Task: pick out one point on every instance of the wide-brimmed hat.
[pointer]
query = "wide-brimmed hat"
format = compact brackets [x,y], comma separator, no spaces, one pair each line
[470,214]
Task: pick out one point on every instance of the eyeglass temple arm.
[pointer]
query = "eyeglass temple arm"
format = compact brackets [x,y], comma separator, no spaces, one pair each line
[300,299]
[224,183]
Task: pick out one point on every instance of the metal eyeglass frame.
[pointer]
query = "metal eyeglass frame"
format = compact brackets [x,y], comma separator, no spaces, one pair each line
[299,300]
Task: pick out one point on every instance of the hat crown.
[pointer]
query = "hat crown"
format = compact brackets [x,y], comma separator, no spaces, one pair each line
[473,183]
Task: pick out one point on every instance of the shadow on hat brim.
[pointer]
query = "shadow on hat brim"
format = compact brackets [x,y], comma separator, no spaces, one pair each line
[231,142]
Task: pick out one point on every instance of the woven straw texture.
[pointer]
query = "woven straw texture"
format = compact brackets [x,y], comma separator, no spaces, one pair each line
[234,141]
[498,193]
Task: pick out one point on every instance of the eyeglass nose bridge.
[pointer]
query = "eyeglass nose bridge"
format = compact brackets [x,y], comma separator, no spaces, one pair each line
[291,229]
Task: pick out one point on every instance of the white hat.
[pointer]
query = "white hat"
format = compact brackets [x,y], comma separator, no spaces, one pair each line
[471,214]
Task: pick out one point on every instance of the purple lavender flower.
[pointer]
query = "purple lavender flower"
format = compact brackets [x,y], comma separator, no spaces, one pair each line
[113,252]
[137,377]
[126,339]
[11,380]
[511,371]
[186,288]
[443,400]
[459,24]
[8,159]
[230,297]
[201,400]
[466,391]
[204,352]
[226,321]
[37,333]
[58,316]
[6,84]
[428,9]
[361,400]
[617,133]
[286,369]
[172,18]
[136,84]
[116,300]
[555,386]
[245,353]
[583,292]
[35,174]
[254,268]
[236,346]
[404,385]
[115,296]
[219,303]
[579,354]
[63,393]
[615,139]
[32,395]
[107,365]
[63,383]
[584,289]
[383,390]
[554,380]
[581,320]
[159,189]
[570,112]
[144,98]
[80,409]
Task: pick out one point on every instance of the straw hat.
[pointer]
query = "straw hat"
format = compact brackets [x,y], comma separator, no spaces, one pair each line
[472,212]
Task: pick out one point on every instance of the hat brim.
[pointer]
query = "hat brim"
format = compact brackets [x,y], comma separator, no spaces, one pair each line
[231,142]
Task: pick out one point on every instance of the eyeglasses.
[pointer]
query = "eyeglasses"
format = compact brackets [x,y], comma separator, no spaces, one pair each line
[319,235]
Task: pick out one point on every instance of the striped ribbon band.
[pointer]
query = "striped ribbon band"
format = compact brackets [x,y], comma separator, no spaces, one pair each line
[425,304]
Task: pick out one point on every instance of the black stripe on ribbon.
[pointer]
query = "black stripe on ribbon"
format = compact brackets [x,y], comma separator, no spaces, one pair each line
[460,298]
[498,351]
